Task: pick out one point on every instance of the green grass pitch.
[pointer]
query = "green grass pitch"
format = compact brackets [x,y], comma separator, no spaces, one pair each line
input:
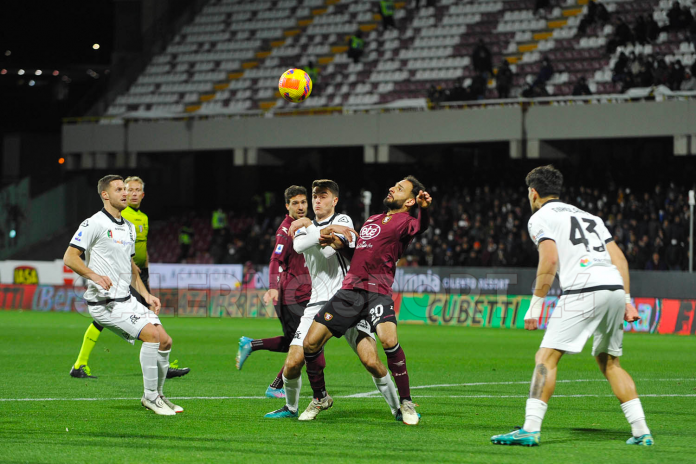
[473,384]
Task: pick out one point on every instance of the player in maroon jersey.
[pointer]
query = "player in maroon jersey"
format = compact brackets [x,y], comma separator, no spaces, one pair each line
[367,291]
[294,283]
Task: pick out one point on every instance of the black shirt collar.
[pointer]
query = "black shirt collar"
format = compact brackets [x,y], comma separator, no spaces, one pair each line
[555,200]
[325,223]
[103,210]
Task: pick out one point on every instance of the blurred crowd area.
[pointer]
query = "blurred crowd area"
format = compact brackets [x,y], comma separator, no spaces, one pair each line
[480,226]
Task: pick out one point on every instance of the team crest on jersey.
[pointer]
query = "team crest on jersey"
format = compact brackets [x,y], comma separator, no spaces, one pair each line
[141,228]
[342,219]
[370,231]
[328,316]
[109,234]
[386,219]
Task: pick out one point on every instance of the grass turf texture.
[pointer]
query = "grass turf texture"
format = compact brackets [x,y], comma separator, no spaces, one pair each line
[39,348]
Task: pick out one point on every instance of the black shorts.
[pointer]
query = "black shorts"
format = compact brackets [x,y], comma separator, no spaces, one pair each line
[289,316]
[348,307]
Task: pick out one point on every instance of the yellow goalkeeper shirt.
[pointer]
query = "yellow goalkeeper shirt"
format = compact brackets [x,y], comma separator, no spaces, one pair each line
[140,221]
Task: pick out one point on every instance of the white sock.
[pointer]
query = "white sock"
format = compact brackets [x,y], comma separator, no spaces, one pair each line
[534,415]
[386,387]
[148,362]
[162,369]
[635,416]
[292,392]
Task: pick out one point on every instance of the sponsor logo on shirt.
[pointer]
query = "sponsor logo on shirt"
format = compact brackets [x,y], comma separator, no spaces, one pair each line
[370,231]
[279,249]
[328,316]
[109,234]
[538,236]
[134,319]
[584,262]
[285,229]
[78,237]
[386,219]
[342,219]
[85,224]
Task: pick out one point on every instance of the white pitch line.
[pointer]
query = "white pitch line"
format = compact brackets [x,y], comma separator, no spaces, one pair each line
[525,382]
[372,394]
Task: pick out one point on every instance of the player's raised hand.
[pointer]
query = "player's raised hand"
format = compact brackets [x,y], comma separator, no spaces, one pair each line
[331,240]
[423,199]
[270,295]
[631,313]
[103,281]
[340,230]
[298,224]
[154,303]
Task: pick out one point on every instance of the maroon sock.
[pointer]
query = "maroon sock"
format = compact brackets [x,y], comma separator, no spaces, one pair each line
[396,360]
[315,372]
[278,382]
[269,344]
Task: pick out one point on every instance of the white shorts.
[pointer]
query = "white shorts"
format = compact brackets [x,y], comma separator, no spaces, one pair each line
[306,322]
[579,316]
[126,319]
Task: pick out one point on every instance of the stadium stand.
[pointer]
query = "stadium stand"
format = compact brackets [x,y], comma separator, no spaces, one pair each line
[229,58]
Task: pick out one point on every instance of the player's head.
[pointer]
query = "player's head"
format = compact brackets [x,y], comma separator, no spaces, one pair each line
[296,201]
[112,191]
[135,187]
[403,194]
[324,197]
[544,183]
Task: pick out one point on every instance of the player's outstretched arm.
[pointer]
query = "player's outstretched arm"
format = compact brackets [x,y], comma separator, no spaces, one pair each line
[424,200]
[73,260]
[619,260]
[546,273]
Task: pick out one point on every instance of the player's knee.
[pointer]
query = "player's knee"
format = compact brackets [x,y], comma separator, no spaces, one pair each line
[389,342]
[310,346]
[165,343]
[149,334]
[375,367]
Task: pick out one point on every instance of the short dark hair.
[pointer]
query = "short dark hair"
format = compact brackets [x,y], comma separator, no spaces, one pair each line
[293,191]
[327,184]
[417,187]
[546,180]
[104,182]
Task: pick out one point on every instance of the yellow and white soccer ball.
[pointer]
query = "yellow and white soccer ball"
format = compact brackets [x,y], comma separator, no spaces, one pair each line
[295,85]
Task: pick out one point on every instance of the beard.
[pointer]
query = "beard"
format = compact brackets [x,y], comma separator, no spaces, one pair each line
[393,204]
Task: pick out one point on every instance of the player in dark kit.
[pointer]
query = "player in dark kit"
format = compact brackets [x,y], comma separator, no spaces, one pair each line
[295,286]
[367,291]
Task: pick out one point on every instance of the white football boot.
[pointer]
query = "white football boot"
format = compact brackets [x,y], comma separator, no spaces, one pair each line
[158,406]
[408,410]
[315,407]
[172,406]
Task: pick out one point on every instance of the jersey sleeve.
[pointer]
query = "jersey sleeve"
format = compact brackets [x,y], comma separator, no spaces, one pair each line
[85,236]
[305,238]
[134,236]
[539,230]
[279,258]
[603,232]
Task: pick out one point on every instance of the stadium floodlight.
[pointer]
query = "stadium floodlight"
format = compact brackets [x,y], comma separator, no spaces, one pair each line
[8,52]
[20,72]
[37,72]
[13,233]
[95,46]
[31,83]
[3,71]
[55,73]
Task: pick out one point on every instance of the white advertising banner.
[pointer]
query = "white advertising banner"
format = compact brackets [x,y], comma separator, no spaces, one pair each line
[196,276]
[36,272]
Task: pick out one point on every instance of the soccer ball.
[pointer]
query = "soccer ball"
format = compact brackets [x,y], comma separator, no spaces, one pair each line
[295,85]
